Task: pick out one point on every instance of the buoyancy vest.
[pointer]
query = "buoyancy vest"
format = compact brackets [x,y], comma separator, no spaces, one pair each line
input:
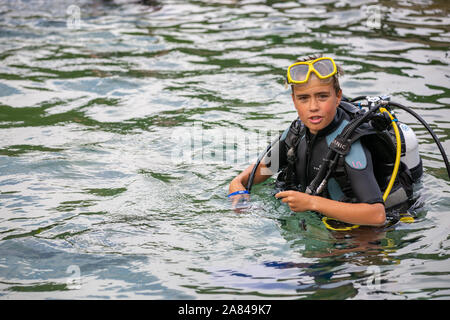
[369,147]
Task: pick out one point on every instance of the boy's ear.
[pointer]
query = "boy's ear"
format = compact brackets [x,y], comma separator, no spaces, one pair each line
[339,96]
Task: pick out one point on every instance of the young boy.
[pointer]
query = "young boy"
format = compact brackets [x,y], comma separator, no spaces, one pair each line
[316,95]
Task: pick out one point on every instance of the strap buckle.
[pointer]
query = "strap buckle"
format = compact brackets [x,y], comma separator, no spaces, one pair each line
[341,145]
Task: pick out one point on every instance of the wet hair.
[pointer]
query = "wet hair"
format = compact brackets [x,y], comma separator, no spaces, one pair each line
[333,79]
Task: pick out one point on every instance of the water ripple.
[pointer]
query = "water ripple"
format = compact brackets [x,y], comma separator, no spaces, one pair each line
[112,154]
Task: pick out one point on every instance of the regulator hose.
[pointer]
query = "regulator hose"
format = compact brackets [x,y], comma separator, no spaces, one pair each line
[422,121]
[255,167]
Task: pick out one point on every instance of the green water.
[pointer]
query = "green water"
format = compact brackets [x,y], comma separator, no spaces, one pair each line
[123,122]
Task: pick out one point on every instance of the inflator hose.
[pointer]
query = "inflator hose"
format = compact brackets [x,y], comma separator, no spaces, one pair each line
[397,155]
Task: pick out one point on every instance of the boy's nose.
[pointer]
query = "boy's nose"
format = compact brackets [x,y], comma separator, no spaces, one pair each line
[313,105]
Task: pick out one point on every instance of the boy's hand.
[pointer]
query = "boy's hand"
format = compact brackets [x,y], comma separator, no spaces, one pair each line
[297,201]
[239,202]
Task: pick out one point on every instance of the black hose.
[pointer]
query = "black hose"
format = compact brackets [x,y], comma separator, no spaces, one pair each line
[413,113]
[358,98]
[258,161]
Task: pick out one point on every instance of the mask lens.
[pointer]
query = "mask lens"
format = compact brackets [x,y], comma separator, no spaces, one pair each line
[299,72]
[324,67]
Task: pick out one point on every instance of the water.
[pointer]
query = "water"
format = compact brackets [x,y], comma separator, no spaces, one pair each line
[123,122]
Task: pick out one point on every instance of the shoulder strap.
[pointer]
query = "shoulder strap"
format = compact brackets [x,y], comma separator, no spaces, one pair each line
[291,137]
[293,133]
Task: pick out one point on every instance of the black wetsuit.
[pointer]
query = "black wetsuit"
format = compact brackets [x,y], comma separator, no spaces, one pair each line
[361,185]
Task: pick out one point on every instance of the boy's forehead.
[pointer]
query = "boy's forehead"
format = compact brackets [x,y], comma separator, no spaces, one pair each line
[313,86]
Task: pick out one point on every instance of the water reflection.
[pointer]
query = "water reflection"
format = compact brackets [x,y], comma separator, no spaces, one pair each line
[86,175]
[340,265]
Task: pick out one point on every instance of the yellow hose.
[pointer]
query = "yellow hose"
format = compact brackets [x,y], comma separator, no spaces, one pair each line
[393,176]
[350,227]
[397,155]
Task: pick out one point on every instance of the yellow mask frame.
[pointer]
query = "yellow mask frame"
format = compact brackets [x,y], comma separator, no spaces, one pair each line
[311,68]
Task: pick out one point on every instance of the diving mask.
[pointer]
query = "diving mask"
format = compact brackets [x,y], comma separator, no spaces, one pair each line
[299,72]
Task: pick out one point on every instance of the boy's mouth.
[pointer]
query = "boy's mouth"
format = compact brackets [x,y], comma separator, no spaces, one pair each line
[315,119]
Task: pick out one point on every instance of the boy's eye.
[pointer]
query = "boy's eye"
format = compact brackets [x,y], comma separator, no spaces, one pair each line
[323,96]
[302,98]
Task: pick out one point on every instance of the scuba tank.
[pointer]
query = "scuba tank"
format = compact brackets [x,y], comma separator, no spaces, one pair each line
[411,156]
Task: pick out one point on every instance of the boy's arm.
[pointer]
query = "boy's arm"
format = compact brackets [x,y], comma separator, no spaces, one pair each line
[354,213]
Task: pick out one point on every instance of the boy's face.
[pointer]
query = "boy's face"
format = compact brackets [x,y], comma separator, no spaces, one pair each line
[316,103]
